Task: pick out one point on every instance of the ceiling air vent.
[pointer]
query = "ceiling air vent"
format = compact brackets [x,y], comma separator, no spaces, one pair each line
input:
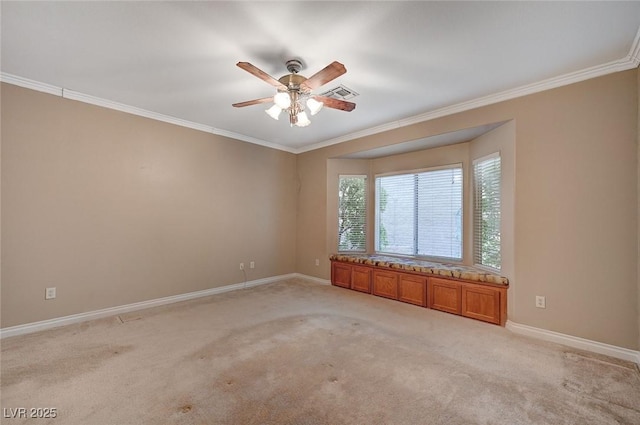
[341,92]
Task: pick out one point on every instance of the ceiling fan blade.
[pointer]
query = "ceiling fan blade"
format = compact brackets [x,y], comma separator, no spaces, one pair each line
[322,77]
[253,102]
[330,102]
[261,74]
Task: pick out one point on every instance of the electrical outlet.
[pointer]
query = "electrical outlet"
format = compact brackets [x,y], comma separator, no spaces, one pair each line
[241,266]
[541,302]
[252,265]
[49,293]
[317,262]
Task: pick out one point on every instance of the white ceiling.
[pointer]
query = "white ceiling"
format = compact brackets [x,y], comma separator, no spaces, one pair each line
[409,61]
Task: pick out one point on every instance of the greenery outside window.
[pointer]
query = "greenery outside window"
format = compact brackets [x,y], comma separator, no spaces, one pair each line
[352,213]
[486,211]
[420,213]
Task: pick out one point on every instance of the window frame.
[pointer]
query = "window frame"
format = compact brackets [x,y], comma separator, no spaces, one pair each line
[366,209]
[457,165]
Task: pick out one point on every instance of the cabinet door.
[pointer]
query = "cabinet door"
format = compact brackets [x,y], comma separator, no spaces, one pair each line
[482,303]
[341,274]
[361,279]
[412,289]
[445,295]
[385,284]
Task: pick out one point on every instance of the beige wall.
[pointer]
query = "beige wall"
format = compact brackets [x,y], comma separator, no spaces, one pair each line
[575,208]
[112,208]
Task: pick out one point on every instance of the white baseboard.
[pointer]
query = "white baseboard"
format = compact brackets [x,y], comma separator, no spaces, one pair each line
[112,311]
[313,279]
[575,342]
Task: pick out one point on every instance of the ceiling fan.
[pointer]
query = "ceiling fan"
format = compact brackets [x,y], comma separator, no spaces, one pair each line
[294,92]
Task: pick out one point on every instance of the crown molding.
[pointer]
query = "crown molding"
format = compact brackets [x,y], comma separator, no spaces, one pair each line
[105,103]
[253,140]
[630,61]
[81,97]
[634,52]
[30,84]
[92,100]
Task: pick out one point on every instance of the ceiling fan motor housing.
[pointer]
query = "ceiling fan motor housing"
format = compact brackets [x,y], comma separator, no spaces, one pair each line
[292,81]
[294,66]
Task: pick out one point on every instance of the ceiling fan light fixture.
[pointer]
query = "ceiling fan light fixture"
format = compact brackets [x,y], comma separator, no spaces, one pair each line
[294,92]
[274,111]
[314,106]
[282,99]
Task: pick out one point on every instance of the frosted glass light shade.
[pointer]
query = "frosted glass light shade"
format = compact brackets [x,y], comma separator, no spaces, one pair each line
[303,120]
[282,99]
[274,111]
[314,106]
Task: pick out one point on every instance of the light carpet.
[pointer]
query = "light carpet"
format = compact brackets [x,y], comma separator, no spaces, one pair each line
[296,352]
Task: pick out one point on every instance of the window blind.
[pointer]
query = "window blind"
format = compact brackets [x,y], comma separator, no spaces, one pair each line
[486,212]
[420,213]
[352,213]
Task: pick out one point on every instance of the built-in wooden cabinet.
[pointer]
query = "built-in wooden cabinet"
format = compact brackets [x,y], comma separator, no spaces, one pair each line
[361,279]
[476,300]
[445,295]
[341,274]
[482,303]
[412,289]
[385,284]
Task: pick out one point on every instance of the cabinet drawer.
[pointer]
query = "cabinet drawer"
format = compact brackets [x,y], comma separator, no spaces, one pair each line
[385,284]
[412,289]
[361,279]
[481,303]
[341,275]
[445,295]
